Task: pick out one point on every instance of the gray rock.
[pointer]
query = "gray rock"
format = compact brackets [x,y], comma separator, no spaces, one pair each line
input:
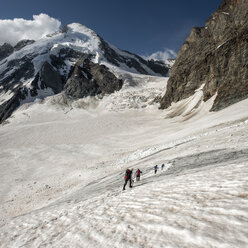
[158,67]
[12,82]
[134,61]
[8,107]
[50,78]
[23,69]
[58,61]
[90,79]
[216,56]
[5,50]
[22,44]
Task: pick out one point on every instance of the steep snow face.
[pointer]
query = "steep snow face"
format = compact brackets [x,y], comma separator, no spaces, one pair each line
[80,38]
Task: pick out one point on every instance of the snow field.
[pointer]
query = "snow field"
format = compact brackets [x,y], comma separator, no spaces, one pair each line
[203,208]
[62,169]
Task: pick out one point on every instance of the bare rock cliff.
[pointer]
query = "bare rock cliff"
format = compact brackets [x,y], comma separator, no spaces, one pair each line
[215,56]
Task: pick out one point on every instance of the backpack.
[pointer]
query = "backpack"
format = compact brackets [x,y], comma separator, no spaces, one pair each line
[138,173]
[128,174]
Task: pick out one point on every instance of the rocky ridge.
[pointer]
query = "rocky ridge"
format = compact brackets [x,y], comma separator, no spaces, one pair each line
[215,57]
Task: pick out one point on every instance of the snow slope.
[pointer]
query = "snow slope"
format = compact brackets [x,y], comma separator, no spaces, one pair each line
[62,166]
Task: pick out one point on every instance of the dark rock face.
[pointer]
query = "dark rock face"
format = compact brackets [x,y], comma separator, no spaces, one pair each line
[158,67]
[47,77]
[24,69]
[8,107]
[50,78]
[22,44]
[58,61]
[90,79]
[5,50]
[134,61]
[216,56]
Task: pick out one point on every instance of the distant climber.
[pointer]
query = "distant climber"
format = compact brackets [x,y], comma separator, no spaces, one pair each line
[162,166]
[155,169]
[128,177]
[138,172]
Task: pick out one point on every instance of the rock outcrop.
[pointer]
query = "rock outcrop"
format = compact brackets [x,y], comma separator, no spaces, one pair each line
[22,44]
[132,61]
[90,79]
[50,78]
[9,106]
[5,50]
[215,56]
[23,69]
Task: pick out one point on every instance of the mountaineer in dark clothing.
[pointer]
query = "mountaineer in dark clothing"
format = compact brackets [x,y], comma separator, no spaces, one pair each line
[128,177]
[155,168]
[138,172]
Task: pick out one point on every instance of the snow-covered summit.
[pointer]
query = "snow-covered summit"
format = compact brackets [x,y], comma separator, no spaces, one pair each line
[77,37]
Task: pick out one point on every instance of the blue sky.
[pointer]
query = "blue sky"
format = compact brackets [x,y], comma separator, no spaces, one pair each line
[139,26]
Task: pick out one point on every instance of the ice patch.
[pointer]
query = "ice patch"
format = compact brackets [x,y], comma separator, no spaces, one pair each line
[5,96]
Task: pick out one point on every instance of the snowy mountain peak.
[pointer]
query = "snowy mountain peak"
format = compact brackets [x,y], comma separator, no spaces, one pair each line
[81,38]
[80,28]
[50,65]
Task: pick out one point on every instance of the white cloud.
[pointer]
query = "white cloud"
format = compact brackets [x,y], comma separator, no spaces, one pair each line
[12,31]
[162,55]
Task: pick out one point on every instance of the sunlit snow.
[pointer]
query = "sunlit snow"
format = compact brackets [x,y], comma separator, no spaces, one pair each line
[63,162]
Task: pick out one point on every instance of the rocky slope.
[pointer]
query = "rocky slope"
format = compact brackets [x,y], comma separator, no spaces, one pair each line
[214,57]
[75,61]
